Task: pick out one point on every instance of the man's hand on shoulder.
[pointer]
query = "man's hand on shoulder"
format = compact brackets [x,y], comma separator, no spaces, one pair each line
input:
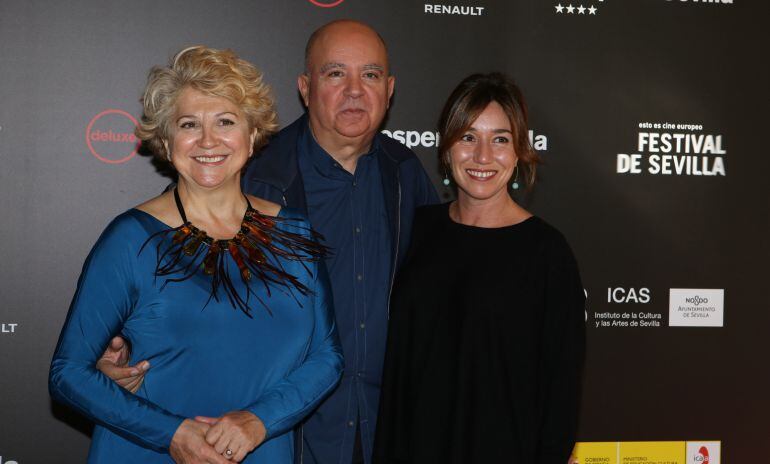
[114,364]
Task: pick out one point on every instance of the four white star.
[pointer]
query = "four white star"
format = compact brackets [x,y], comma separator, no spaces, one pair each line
[580,9]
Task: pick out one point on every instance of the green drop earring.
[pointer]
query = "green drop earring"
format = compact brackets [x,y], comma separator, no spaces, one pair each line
[515,184]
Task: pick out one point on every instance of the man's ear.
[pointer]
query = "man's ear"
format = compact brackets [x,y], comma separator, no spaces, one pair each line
[391,88]
[303,84]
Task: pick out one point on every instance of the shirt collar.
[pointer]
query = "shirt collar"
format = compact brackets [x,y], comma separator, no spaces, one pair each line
[322,160]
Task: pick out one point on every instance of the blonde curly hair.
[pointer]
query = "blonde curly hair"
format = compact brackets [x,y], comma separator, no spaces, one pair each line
[213,72]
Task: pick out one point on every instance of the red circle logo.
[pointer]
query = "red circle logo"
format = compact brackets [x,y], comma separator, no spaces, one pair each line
[110,136]
[330,4]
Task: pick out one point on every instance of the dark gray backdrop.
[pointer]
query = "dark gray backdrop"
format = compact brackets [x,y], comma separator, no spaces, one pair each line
[590,79]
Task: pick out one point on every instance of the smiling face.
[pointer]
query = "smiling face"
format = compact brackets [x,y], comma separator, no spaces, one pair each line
[210,140]
[347,88]
[482,161]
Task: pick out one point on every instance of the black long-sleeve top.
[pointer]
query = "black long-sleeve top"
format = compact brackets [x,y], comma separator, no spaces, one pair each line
[485,346]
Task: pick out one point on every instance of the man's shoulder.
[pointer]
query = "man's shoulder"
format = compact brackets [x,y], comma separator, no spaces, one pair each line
[275,166]
[395,150]
[278,142]
[414,178]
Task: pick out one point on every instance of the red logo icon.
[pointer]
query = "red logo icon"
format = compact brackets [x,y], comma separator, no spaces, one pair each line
[110,136]
[327,4]
[703,455]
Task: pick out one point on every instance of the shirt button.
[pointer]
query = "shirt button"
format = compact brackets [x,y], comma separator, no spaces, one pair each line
[360,277]
[355,183]
[350,424]
[359,374]
[363,326]
[358,230]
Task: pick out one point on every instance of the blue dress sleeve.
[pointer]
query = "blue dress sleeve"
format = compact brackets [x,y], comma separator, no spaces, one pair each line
[104,299]
[287,402]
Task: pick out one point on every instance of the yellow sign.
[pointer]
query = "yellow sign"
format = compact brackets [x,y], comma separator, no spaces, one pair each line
[596,453]
[647,452]
[630,452]
[652,452]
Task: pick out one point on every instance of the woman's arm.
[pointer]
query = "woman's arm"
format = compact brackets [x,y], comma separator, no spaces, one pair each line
[287,402]
[103,301]
[562,354]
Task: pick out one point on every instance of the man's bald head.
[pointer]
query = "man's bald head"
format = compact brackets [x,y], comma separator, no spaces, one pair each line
[346,87]
[338,27]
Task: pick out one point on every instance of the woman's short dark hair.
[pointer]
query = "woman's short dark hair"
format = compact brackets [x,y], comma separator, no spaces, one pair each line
[469,99]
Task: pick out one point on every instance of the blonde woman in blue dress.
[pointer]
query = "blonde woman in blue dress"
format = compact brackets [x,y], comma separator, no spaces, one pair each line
[224,294]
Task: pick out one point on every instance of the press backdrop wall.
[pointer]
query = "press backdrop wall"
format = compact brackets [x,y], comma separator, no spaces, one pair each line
[672,240]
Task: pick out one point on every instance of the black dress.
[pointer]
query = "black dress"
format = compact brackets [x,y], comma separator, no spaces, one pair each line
[485,346]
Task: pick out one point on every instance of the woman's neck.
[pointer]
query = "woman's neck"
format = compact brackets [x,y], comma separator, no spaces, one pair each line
[218,211]
[498,211]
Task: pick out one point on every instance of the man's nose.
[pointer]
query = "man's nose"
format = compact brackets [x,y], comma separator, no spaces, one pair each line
[354,87]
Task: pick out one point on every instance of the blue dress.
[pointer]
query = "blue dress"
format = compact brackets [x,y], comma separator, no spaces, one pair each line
[205,361]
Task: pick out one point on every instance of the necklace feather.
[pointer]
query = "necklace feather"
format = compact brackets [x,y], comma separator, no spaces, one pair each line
[258,249]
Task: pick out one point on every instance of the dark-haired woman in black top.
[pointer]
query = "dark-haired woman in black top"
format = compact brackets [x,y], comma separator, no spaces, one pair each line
[487,318]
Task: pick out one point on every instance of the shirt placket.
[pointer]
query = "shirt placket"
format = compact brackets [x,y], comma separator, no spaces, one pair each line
[360,285]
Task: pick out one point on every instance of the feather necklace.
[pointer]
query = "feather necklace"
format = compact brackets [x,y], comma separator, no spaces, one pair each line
[258,249]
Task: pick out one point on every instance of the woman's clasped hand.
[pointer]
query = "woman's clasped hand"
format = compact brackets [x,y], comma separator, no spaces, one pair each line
[223,439]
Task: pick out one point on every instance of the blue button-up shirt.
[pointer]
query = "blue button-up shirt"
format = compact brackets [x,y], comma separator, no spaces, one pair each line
[349,210]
